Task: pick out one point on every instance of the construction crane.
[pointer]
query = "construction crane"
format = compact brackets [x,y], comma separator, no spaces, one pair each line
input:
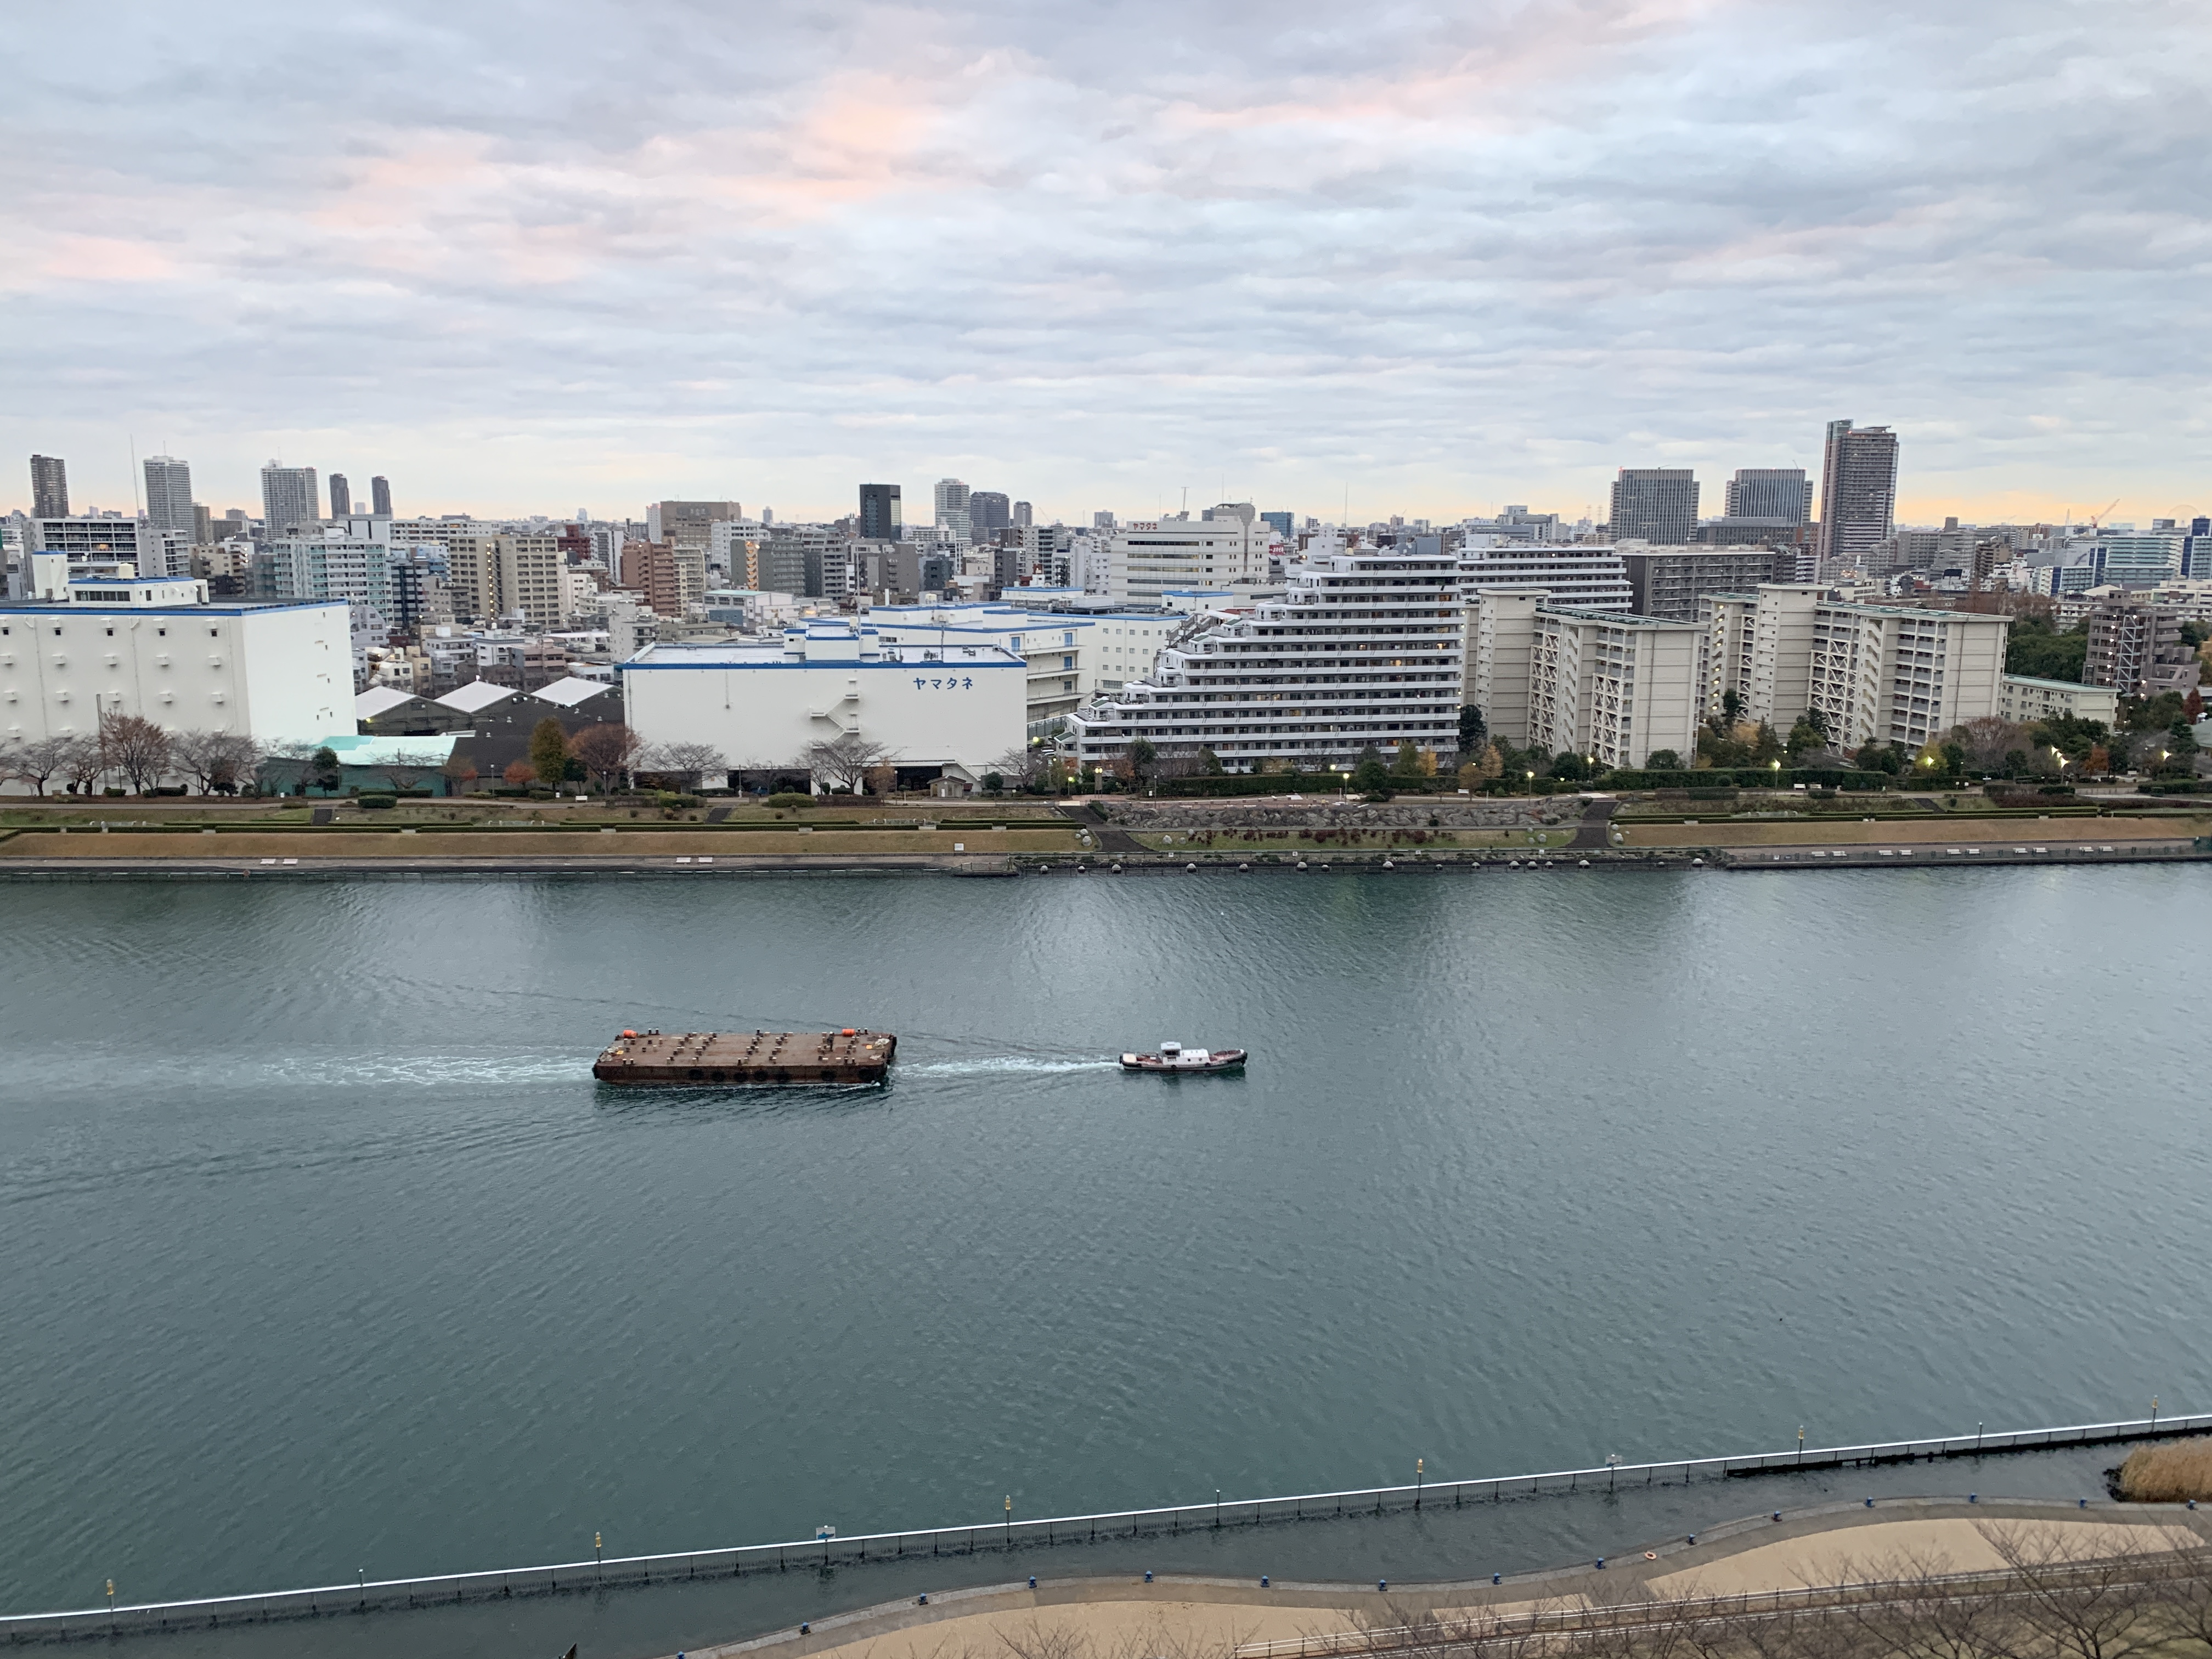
[2096,518]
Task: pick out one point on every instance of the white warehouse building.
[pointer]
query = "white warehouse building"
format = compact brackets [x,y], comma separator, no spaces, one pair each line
[156,647]
[955,709]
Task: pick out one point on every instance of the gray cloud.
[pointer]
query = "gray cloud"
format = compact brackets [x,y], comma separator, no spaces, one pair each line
[533,257]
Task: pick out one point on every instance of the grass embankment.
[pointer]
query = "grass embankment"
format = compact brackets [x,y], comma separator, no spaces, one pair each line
[2172,1474]
[644,842]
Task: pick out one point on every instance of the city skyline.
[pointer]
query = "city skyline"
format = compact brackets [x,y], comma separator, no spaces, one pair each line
[1439,263]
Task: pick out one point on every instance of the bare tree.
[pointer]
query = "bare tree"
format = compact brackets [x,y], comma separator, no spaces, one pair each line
[1989,739]
[607,752]
[687,762]
[882,779]
[137,748]
[36,762]
[218,761]
[82,763]
[1022,765]
[459,772]
[2083,1608]
[409,766]
[844,761]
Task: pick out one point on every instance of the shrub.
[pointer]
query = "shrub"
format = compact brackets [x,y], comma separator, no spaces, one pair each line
[672,803]
[377,803]
[789,799]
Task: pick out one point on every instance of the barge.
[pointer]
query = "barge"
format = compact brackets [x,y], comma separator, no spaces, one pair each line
[693,1058]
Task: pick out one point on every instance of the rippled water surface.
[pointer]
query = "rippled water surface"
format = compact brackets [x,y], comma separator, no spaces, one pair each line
[322,1251]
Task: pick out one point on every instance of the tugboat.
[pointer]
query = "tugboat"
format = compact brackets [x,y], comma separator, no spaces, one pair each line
[1174,1057]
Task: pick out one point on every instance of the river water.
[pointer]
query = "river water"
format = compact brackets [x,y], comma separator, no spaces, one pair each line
[324,1253]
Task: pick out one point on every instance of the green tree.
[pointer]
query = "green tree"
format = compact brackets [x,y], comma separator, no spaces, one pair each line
[2194,634]
[1368,775]
[1472,730]
[1142,754]
[994,783]
[1663,760]
[1407,762]
[549,751]
[325,766]
[1954,758]
[1731,706]
[1766,748]
[1211,762]
[2151,713]
[1806,736]
[2034,648]
[2069,734]
[1571,767]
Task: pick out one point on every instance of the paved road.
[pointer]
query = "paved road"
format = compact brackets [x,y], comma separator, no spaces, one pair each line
[1597,818]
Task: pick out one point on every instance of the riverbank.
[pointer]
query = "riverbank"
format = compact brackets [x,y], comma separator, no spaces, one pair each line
[1754,1556]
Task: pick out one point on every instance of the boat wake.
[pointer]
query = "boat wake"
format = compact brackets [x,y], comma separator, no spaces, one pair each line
[999,1066]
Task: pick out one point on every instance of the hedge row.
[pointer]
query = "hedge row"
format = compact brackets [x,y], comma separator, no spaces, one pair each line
[1271,783]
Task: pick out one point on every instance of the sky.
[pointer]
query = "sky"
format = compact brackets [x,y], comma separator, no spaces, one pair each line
[1427,260]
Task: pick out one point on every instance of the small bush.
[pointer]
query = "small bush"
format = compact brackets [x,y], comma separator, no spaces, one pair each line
[790,798]
[378,803]
[167,789]
[675,803]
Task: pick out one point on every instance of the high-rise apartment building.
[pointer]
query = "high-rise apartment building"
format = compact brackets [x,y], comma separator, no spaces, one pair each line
[2136,649]
[882,514]
[988,510]
[1669,581]
[1591,578]
[1363,650]
[1858,492]
[169,496]
[1598,682]
[1024,515]
[1880,674]
[49,488]
[289,500]
[1655,504]
[379,497]
[340,496]
[1769,492]
[953,524]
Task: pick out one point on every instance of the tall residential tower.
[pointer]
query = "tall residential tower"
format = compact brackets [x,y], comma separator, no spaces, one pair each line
[1858,491]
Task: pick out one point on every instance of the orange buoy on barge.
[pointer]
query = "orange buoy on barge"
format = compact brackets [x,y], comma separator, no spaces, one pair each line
[694,1059]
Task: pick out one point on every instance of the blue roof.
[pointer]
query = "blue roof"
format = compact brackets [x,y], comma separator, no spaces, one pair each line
[217,608]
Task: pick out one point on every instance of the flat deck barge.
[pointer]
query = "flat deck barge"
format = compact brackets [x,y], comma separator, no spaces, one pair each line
[751,1058]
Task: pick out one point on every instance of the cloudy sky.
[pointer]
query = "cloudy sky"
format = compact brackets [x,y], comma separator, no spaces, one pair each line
[1423,259]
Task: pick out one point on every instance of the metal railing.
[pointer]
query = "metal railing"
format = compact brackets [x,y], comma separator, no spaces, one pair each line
[1009,1533]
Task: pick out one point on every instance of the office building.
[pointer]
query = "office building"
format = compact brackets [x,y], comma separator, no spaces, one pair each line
[1606,684]
[881,514]
[950,711]
[290,500]
[988,511]
[1877,673]
[379,497]
[952,511]
[1282,523]
[1858,493]
[158,649]
[1668,582]
[1585,575]
[1149,559]
[1655,504]
[687,524]
[49,488]
[340,496]
[1363,649]
[2136,649]
[1782,493]
[1024,515]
